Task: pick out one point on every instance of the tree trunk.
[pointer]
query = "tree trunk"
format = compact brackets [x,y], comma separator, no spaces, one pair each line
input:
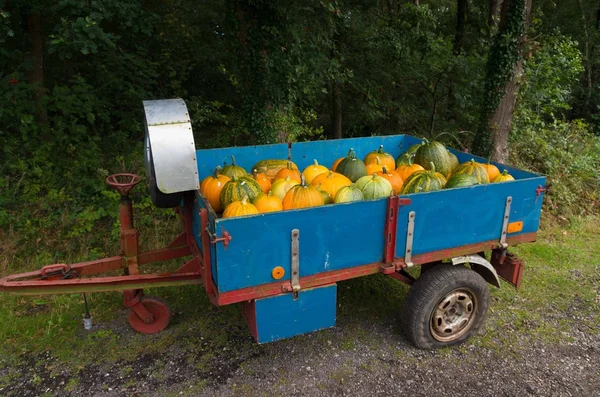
[336,121]
[586,58]
[502,81]
[459,34]
[36,77]
[494,12]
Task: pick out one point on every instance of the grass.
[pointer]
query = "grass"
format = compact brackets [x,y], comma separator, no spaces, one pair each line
[559,292]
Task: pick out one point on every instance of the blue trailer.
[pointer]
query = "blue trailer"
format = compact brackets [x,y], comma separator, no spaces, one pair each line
[283,267]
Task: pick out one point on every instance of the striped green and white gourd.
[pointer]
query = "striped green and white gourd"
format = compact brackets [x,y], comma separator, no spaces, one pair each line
[424,181]
[237,188]
[436,153]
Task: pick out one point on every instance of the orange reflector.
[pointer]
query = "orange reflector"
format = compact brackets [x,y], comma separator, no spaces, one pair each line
[514,227]
[277,272]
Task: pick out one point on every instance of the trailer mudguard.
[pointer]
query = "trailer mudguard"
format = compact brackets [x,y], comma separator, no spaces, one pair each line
[482,267]
[170,151]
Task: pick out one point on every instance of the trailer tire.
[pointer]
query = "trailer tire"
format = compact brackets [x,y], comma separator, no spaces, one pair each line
[445,306]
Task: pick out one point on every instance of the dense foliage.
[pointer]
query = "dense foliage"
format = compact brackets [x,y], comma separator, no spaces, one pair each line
[74,74]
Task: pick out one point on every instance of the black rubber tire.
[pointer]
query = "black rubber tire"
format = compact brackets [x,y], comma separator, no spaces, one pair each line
[427,293]
[160,199]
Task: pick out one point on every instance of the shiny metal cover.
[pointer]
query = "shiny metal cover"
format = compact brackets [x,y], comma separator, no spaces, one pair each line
[169,146]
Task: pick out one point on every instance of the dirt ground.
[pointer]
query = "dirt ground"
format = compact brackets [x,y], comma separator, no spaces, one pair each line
[356,358]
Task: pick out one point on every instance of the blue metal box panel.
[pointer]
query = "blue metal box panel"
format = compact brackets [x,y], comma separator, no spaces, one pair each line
[282,316]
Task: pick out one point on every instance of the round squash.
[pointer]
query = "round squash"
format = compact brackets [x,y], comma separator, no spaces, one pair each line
[211,188]
[453,161]
[405,159]
[314,170]
[461,180]
[374,186]
[237,188]
[491,170]
[290,171]
[267,203]
[352,167]
[504,177]
[348,194]
[424,181]
[302,196]
[325,195]
[233,170]
[331,183]
[381,157]
[375,167]
[262,179]
[473,168]
[281,187]
[436,153]
[240,208]
[338,161]
[405,170]
[394,179]
[271,167]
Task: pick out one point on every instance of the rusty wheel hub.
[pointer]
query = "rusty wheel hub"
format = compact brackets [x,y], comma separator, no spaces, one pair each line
[454,315]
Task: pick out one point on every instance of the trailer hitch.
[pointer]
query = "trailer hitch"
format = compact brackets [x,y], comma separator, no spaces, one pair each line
[226,239]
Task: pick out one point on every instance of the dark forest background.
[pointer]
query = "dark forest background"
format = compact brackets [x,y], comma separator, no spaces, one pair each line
[510,79]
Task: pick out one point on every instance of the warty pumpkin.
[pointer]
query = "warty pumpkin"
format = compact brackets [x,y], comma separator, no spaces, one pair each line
[211,188]
[240,208]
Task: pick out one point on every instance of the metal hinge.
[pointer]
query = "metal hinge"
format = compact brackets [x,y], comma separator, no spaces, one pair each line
[410,231]
[505,222]
[296,262]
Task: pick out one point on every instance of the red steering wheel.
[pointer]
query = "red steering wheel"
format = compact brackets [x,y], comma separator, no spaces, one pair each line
[123,183]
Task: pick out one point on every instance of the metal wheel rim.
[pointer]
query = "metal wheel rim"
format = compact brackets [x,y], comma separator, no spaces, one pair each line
[454,315]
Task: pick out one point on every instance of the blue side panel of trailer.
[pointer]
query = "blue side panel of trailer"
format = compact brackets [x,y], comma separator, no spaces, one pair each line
[332,237]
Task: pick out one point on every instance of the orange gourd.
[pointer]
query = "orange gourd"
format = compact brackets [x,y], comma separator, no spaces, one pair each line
[407,170]
[240,208]
[281,187]
[374,167]
[385,159]
[302,196]
[331,183]
[492,170]
[393,178]
[211,188]
[268,203]
[290,171]
[262,179]
[314,170]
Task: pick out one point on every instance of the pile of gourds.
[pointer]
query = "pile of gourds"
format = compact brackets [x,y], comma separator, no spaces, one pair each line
[276,185]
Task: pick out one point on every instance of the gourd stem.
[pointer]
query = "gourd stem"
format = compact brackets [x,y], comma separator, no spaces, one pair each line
[255,173]
[245,200]
[380,148]
[432,168]
[384,170]
[232,160]
[216,172]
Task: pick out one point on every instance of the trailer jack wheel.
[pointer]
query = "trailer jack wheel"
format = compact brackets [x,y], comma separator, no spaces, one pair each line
[161,316]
